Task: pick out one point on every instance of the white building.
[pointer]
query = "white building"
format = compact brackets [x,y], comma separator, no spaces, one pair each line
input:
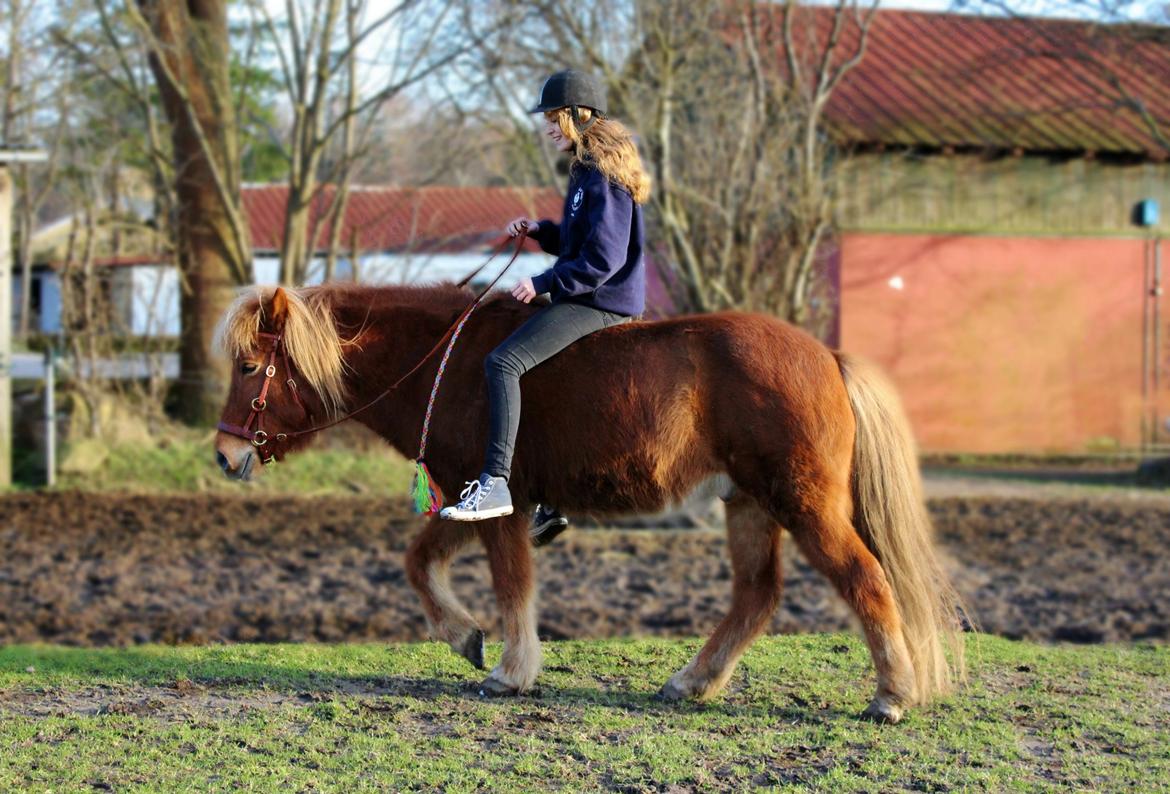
[396,235]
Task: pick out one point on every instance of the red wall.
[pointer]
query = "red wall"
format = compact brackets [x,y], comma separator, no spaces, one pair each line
[1002,344]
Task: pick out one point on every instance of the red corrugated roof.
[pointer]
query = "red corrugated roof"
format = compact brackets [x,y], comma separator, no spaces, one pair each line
[431,219]
[424,219]
[942,80]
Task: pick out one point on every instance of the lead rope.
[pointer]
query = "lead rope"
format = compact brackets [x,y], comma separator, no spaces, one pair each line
[428,497]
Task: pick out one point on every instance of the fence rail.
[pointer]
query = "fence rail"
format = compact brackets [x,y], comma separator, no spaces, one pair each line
[31,366]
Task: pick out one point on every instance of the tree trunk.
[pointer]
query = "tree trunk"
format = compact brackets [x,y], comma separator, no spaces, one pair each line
[296,247]
[203,374]
[189,57]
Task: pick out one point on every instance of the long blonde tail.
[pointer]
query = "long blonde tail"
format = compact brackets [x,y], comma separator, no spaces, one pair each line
[890,515]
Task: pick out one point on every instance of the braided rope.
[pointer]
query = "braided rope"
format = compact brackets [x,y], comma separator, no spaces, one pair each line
[428,498]
[422,443]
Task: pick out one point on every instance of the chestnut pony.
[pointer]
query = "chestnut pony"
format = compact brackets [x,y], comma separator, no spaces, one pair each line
[625,420]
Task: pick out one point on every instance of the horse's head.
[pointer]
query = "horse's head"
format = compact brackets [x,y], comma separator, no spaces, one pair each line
[287,372]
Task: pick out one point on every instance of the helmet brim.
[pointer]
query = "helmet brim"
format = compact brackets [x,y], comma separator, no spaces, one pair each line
[547,108]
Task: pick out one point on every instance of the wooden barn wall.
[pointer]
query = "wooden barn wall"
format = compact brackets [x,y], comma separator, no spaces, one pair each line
[899,191]
[1006,343]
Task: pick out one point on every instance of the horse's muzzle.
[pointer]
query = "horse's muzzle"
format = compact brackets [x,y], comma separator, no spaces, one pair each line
[242,472]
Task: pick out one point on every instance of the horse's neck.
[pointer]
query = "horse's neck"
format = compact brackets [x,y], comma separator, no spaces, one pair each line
[392,340]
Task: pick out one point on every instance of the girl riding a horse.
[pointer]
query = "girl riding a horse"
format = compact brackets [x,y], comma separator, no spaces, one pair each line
[597,281]
[814,441]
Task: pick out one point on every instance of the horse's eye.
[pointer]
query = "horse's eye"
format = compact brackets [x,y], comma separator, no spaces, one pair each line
[248,367]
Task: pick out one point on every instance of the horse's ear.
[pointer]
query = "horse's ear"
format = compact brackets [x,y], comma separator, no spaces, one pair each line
[279,309]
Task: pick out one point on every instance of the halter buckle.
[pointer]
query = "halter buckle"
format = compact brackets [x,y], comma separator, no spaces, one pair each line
[270,371]
[259,405]
[259,438]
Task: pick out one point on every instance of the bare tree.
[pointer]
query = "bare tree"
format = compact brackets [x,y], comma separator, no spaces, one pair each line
[82,306]
[318,47]
[110,61]
[114,163]
[728,101]
[189,55]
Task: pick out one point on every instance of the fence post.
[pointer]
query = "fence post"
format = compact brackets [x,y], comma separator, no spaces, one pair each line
[50,418]
[6,324]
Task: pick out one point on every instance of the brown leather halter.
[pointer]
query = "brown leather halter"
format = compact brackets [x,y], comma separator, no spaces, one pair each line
[257,436]
[260,439]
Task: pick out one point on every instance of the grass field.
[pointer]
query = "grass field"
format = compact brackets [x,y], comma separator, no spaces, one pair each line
[183,461]
[376,717]
[351,460]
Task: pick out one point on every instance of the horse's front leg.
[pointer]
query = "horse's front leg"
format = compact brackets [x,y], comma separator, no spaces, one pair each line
[428,562]
[509,555]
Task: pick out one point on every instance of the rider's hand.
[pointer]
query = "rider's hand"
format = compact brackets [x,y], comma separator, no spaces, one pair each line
[524,291]
[522,224]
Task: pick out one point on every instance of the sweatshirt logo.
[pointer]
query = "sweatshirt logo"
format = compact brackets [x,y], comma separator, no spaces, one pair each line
[577,197]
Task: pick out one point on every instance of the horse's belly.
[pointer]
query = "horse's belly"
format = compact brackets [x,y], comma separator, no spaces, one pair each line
[634,462]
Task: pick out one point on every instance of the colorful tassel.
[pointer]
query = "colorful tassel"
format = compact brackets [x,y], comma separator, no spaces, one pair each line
[428,498]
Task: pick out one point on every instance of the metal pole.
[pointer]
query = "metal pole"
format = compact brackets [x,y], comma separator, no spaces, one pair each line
[1157,357]
[1147,294]
[50,418]
[5,327]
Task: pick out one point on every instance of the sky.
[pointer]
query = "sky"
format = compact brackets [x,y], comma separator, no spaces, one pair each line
[1129,10]
[918,5]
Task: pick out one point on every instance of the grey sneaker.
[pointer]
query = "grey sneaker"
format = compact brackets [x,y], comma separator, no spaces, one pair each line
[547,523]
[486,497]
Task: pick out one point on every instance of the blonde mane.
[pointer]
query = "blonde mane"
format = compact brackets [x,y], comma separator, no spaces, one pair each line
[310,338]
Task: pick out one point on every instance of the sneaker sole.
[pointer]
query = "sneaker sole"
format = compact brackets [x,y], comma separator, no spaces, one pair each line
[548,532]
[559,523]
[479,515]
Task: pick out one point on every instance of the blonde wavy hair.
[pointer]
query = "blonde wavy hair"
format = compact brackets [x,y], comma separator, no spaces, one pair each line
[609,145]
[310,337]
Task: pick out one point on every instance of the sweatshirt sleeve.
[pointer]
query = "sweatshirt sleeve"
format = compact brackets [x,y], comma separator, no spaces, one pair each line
[604,250]
[548,234]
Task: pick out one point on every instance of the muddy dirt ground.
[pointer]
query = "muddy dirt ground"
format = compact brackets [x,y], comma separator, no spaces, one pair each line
[91,569]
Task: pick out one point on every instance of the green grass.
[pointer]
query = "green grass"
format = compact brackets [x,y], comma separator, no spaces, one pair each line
[350,459]
[401,717]
[183,461]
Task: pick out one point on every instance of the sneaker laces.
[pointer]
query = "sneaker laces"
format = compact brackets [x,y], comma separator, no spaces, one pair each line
[473,494]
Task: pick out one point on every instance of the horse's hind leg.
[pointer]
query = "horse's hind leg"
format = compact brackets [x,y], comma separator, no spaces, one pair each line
[832,546]
[510,557]
[428,562]
[753,541]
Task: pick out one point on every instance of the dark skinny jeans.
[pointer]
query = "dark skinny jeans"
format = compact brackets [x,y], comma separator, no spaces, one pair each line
[541,337]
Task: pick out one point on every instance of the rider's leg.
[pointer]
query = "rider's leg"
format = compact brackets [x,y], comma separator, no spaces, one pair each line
[541,337]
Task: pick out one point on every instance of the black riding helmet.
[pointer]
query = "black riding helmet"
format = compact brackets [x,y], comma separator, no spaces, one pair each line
[572,89]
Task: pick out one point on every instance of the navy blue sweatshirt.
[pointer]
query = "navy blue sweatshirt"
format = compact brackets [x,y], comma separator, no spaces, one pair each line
[598,245]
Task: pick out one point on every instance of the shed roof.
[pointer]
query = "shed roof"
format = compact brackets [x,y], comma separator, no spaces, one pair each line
[430,220]
[425,219]
[1044,85]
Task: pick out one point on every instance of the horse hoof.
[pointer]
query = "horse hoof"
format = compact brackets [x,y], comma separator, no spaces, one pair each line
[494,688]
[882,712]
[472,649]
[670,694]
